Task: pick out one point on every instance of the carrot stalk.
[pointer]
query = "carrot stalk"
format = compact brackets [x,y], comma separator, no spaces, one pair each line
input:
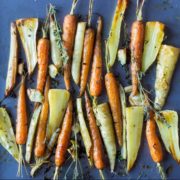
[96,73]
[13,60]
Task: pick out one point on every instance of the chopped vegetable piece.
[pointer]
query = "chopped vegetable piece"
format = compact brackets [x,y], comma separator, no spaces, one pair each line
[13,60]
[115,32]
[58,100]
[169,134]
[122,56]
[28,29]
[167,60]
[134,118]
[154,35]
[53,71]
[21,68]
[7,137]
[35,95]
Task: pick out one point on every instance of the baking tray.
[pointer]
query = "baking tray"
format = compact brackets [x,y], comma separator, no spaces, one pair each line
[166,11]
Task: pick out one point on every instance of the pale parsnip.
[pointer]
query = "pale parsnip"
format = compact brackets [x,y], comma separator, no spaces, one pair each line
[122,56]
[78,49]
[169,134]
[27,30]
[13,60]
[134,118]
[115,31]
[7,137]
[84,130]
[154,35]
[123,105]
[104,118]
[58,99]
[31,133]
[167,60]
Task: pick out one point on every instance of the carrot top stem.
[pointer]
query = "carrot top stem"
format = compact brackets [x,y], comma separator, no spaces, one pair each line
[56,173]
[139,9]
[73,6]
[107,57]
[90,11]
[161,171]
[101,174]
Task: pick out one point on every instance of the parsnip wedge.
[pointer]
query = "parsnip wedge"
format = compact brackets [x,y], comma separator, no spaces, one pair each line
[134,118]
[27,30]
[13,60]
[167,60]
[154,35]
[115,31]
[169,134]
[7,137]
[58,100]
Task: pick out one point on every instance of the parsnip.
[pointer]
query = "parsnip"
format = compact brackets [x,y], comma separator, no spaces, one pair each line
[77,54]
[115,31]
[134,118]
[167,60]
[58,99]
[84,130]
[104,118]
[13,60]
[169,134]
[154,35]
[7,137]
[27,30]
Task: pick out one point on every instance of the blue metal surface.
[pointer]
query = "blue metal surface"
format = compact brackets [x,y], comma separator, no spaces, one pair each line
[167,11]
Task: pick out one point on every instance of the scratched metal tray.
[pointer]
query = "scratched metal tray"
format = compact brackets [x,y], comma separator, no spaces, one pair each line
[167,11]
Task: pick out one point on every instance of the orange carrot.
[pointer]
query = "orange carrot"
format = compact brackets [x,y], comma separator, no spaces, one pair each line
[69,32]
[21,122]
[153,140]
[115,104]
[96,73]
[98,153]
[43,57]
[41,131]
[87,56]
[64,137]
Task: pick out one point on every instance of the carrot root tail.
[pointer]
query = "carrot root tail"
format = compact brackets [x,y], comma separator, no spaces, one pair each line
[101,174]
[55,177]
[161,171]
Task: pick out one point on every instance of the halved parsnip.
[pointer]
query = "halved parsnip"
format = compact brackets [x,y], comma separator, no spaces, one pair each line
[169,134]
[123,105]
[7,137]
[154,35]
[134,118]
[115,31]
[84,131]
[77,54]
[105,121]
[58,100]
[13,60]
[167,60]
[27,30]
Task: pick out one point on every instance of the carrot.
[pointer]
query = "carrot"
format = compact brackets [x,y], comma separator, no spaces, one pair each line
[98,153]
[21,122]
[112,89]
[43,58]
[136,47]
[69,32]
[154,143]
[96,73]
[41,131]
[64,137]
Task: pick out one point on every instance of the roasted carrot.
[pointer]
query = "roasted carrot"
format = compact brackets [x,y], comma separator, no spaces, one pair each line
[41,131]
[21,121]
[136,47]
[112,89]
[69,32]
[43,58]
[154,143]
[96,73]
[63,139]
[87,51]
[98,153]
